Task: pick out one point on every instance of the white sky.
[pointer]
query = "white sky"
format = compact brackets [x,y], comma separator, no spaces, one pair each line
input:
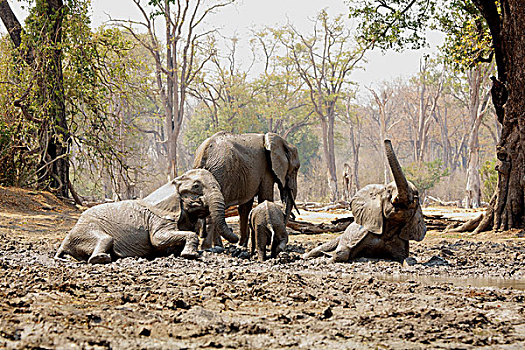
[239,18]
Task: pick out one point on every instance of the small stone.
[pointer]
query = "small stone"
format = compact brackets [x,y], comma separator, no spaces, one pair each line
[216,250]
[327,313]
[145,332]
[410,261]
[436,261]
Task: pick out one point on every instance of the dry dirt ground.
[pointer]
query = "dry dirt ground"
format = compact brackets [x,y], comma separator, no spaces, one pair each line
[463,292]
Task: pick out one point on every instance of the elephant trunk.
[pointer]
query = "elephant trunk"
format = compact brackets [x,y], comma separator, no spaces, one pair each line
[217,214]
[288,195]
[403,191]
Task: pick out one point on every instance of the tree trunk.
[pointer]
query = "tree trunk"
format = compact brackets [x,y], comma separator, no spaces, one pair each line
[46,56]
[334,191]
[329,157]
[509,211]
[54,135]
[355,145]
[508,97]
[473,188]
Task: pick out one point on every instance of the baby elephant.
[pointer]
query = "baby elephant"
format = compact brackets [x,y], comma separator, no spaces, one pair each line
[267,227]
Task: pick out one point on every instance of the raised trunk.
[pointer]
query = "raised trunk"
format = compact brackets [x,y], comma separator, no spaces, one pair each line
[403,193]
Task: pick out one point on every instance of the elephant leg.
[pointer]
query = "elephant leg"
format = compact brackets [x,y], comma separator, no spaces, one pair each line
[218,240]
[341,254]
[165,240]
[101,251]
[244,211]
[398,250]
[262,241]
[278,244]
[252,236]
[208,241]
[323,249]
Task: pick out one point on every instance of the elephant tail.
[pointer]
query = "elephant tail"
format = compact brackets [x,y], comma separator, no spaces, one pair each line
[323,249]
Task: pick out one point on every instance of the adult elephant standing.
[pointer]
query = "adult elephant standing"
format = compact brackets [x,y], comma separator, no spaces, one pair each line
[248,165]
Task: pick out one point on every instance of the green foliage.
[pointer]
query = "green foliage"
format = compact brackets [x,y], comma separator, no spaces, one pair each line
[308,147]
[106,94]
[489,176]
[394,24]
[401,24]
[468,37]
[426,174]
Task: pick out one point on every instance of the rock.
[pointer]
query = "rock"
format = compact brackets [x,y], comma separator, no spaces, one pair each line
[436,261]
[216,250]
[327,313]
[145,332]
[410,261]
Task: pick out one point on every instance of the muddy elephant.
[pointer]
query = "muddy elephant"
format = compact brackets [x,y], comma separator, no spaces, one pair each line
[386,218]
[267,228]
[248,165]
[160,224]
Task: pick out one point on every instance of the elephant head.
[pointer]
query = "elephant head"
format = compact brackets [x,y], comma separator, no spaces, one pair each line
[285,166]
[198,194]
[391,209]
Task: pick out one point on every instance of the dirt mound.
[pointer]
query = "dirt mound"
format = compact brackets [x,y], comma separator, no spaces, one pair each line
[14,199]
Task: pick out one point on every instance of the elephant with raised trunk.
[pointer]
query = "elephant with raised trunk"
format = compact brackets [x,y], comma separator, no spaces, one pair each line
[248,165]
[160,224]
[386,218]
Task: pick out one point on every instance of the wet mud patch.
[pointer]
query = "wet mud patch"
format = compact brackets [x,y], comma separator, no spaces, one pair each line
[225,300]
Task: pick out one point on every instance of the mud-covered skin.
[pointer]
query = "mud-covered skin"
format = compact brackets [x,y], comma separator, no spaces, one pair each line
[157,225]
[248,165]
[386,218]
[267,228]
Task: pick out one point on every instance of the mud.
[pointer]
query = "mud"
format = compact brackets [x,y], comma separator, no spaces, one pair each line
[223,300]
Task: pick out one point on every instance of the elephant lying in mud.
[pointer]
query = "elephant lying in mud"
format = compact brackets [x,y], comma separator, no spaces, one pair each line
[386,218]
[267,227]
[157,225]
[248,165]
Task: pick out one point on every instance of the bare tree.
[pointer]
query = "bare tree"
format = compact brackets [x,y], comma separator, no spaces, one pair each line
[324,61]
[351,173]
[179,60]
[382,115]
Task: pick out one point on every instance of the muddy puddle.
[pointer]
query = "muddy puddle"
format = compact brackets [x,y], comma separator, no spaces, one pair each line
[478,282]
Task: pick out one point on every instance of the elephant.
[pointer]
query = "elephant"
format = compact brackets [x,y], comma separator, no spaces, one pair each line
[386,218]
[267,227]
[248,165]
[160,224]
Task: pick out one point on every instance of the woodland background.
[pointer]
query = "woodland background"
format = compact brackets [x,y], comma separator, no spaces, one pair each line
[125,105]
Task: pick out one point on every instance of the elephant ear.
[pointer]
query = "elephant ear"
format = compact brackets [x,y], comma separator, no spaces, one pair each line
[367,209]
[164,202]
[281,156]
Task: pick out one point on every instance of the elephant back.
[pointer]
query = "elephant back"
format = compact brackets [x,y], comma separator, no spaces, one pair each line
[238,162]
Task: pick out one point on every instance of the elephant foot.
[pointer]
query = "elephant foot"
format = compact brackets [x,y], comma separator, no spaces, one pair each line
[101,258]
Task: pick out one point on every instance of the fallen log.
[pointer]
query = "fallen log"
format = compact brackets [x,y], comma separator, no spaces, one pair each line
[309,228]
[444,203]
